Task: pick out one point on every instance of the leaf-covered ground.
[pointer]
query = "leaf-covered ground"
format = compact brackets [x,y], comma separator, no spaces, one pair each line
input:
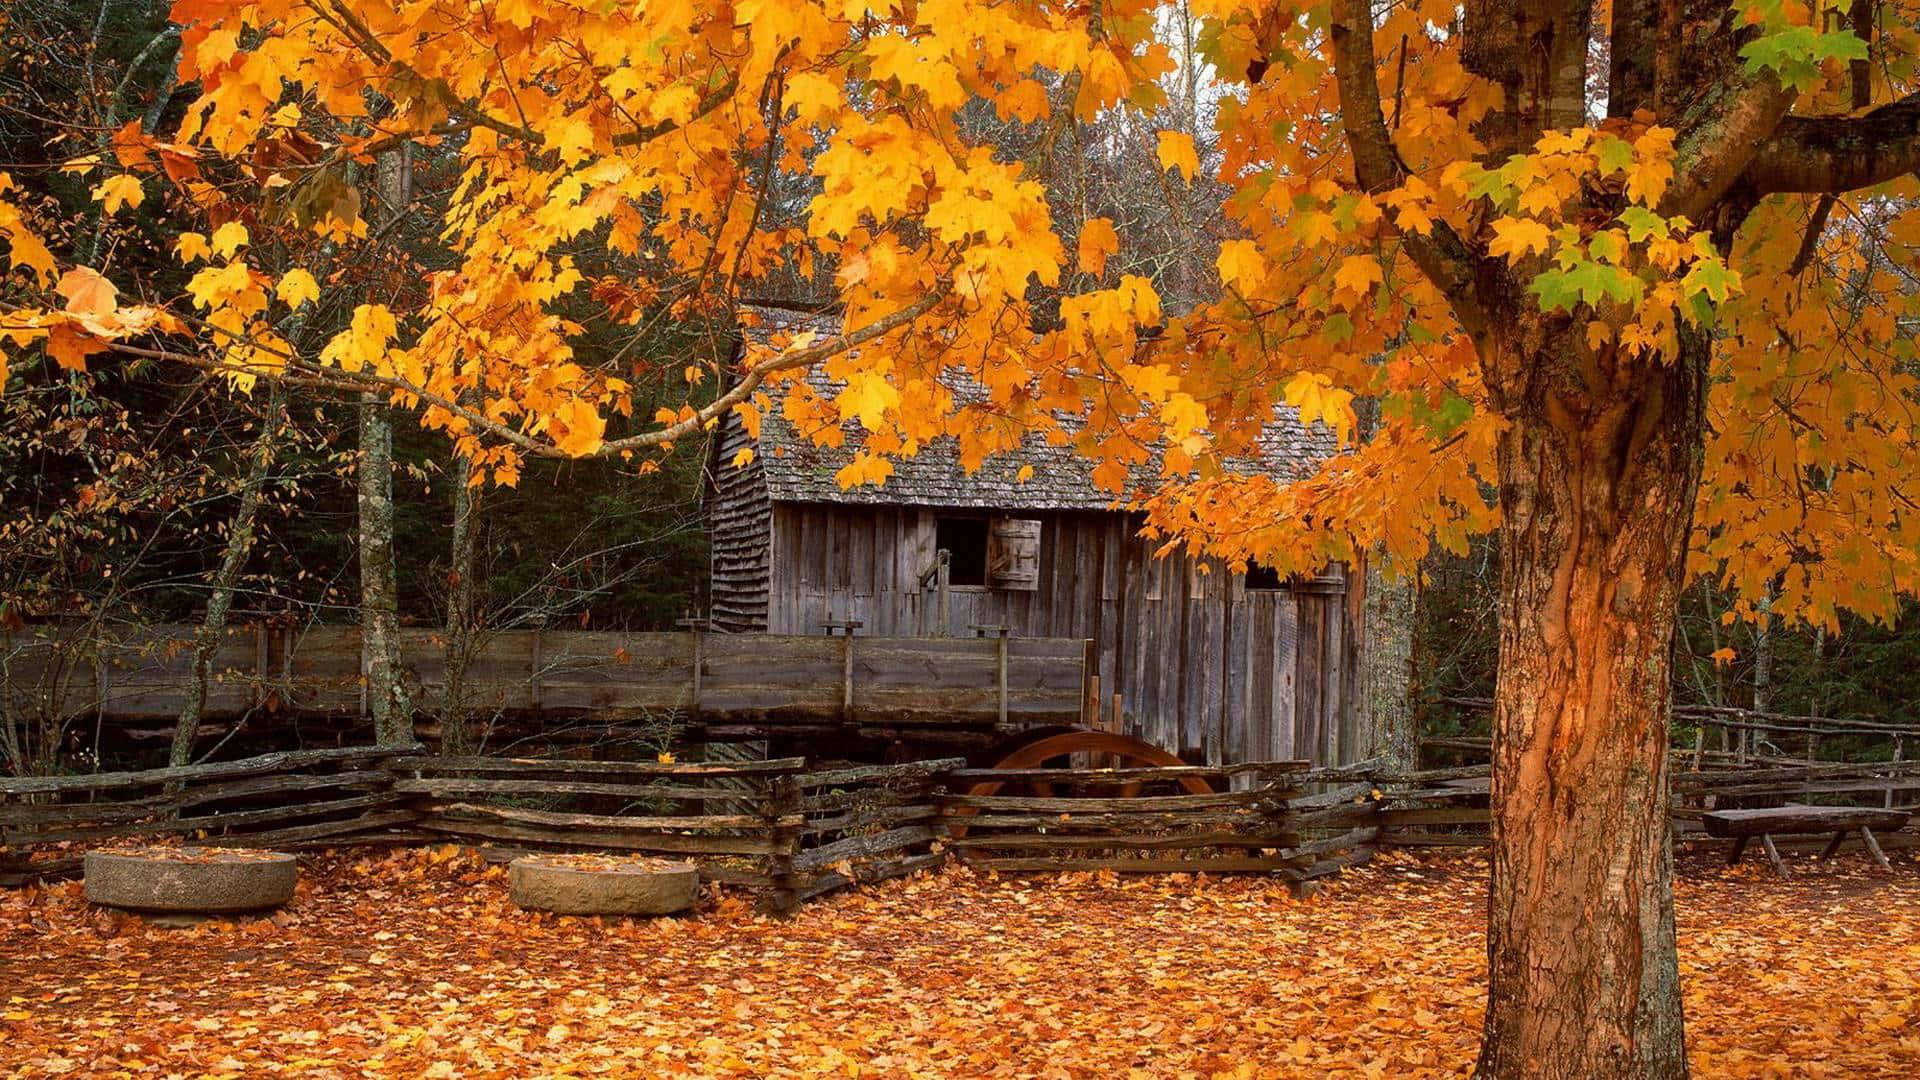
[415,964]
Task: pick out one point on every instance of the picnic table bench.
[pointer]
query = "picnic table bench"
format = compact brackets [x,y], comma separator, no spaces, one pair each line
[1744,825]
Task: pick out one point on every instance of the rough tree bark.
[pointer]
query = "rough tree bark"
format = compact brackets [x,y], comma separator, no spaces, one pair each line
[456,736]
[1597,494]
[1388,674]
[233,558]
[387,697]
[1598,470]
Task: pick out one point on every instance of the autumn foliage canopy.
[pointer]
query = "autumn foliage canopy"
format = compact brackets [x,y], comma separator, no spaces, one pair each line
[606,162]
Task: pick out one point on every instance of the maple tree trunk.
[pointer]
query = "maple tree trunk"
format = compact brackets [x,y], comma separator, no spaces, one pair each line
[1598,471]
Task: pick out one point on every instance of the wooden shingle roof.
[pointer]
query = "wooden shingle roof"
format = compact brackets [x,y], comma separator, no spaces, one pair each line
[799,470]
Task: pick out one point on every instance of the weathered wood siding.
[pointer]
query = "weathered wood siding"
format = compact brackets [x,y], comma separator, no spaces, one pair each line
[766,681]
[740,520]
[1205,667]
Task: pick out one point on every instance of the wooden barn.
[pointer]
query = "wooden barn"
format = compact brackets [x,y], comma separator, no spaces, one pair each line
[1217,666]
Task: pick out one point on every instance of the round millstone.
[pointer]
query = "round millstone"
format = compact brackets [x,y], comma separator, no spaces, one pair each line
[190,879]
[602,885]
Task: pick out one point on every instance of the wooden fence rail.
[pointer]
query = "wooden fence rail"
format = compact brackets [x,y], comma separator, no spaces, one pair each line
[1449,807]
[777,826]
[732,686]
[292,800]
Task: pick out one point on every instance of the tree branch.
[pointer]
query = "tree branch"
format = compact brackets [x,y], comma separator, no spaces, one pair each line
[1632,79]
[343,19]
[1716,146]
[1442,256]
[1837,154]
[799,358]
[306,373]
[1810,240]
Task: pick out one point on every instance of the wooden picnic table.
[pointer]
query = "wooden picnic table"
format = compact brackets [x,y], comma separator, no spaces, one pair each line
[1743,825]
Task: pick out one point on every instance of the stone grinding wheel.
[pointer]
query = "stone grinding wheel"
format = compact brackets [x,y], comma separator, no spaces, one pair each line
[602,885]
[190,880]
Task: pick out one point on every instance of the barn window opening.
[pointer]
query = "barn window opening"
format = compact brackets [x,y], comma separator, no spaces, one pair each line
[1262,576]
[966,540]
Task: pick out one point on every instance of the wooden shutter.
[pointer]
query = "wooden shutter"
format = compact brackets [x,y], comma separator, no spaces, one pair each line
[1013,554]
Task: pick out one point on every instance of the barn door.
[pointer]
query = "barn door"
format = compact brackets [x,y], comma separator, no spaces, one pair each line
[1013,554]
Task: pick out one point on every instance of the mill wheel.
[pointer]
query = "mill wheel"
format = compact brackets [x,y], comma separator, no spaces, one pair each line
[1129,752]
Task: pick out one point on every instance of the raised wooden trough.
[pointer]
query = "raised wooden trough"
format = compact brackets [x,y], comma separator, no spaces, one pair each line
[1764,822]
[191,880]
[603,884]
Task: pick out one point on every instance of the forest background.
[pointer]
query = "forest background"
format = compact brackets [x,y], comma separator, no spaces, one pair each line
[122,487]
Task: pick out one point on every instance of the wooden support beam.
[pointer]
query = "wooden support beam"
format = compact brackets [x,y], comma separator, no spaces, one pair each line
[1834,844]
[1773,855]
[1873,848]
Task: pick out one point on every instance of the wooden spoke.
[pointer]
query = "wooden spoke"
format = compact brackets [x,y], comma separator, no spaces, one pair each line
[1127,750]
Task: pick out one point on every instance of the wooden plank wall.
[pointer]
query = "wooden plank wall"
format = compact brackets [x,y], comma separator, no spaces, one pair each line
[758,678]
[739,526]
[1206,667]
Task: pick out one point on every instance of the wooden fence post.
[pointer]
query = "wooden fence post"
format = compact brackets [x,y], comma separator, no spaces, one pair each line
[846,678]
[1899,755]
[694,625]
[779,800]
[845,628]
[943,580]
[1000,632]
[533,685]
[1000,677]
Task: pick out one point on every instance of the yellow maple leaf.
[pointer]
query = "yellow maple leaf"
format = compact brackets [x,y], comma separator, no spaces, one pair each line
[189,247]
[867,398]
[86,292]
[117,191]
[229,238]
[1097,241]
[297,287]
[1412,217]
[26,250]
[742,457]
[1241,266]
[1517,237]
[1025,101]
[1176,152]
[864,469]
[1652,167]
[582,428]
[1316,228]
[1358,274]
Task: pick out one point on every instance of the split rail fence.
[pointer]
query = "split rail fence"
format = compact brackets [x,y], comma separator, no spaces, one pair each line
[1449,807]
[1733,759]
[791,832]
[784,829]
